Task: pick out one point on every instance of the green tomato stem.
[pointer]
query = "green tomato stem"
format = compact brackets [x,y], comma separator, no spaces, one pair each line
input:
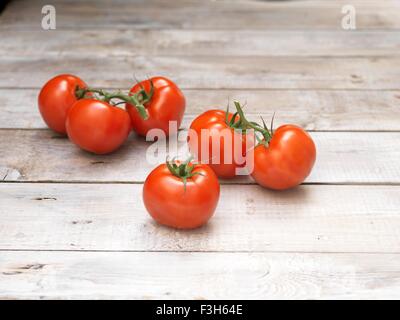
[137,99]
[245,124]
[183,170]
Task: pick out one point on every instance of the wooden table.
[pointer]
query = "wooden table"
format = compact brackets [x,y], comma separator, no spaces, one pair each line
[73,225]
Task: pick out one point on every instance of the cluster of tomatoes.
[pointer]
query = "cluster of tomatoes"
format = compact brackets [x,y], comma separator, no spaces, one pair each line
[178,194]
[92,119]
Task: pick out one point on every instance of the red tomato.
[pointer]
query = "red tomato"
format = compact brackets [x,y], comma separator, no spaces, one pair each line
[56,98]
[215,122]
[286,161]
[97,126]
[170,203]
[167,104]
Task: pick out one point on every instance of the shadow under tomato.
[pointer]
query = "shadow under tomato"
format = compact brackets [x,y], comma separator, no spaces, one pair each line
[158,227]
[300,192]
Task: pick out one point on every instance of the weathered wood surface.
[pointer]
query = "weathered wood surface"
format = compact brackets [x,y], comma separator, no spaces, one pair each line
[248,218]
[188,14]
[49,275]
[65,43]
[40,155]
[194,72]
[335,110]
[313,242]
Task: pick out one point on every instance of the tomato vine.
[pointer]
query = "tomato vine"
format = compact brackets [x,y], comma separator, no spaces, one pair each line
[138,99]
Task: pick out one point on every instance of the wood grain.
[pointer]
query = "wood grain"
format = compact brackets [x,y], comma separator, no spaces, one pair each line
[248,218]
[67,43]
[194,72]
[41,155]
[104,275]
[313,110]
[189,14]
[77,228]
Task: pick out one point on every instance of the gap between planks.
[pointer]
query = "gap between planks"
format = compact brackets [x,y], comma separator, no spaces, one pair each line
[222,182]
[193,116]
[37,88]
[204,252]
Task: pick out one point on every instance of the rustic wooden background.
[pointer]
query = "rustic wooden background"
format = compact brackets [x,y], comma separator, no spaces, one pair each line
[72,225]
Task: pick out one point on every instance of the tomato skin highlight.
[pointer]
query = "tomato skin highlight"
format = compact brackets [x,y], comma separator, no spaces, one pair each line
[215,121]
[167,201]
[167,104]
[96,126]
[286,161]
[56,98]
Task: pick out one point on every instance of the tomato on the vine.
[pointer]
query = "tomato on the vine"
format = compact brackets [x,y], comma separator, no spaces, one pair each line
[55,99]
[283,158]
[286,160]
[167,103]
[223,144]
[97,126]
[181,195]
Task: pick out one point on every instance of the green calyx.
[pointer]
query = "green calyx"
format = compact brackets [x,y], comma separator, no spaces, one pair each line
[244,124]
[236,122]
[182,170]
[137,99]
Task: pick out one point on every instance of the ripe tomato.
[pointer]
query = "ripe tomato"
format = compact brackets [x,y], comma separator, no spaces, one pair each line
[166,104]
[97,126]
[286,161]
[56,98]
[224,155]
[182,196]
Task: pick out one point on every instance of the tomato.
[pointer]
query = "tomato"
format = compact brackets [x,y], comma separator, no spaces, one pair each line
[97,126]
[166,104]
[224,156]
[286,161]
[56,98]
[183,198]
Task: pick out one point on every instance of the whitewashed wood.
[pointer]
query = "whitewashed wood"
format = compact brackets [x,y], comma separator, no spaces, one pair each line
[105,275]
[194,72]
[189,14]
[127,42]
[40,155]
[75,217]
[313,110]
[248,218]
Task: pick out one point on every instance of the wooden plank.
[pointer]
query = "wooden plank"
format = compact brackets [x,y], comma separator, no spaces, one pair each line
[248,218]
[127,42]
[343,157]
[188,14]
[104,275]
[313,110]
[194,72]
